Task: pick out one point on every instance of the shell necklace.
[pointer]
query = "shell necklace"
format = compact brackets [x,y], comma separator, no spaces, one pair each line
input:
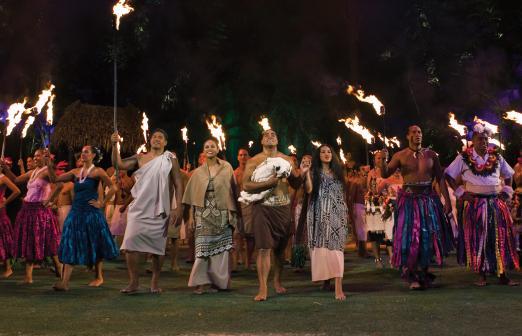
[82,178]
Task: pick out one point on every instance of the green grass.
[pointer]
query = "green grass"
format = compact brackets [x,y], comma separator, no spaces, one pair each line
[378,303]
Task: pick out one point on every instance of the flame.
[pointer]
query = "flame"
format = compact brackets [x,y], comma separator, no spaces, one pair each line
[354,125]
[50,110]
[514,116]
[216,129]
[120,9]
[497,143]
[142,149]
[264,123]
[292,149]
[389,142]
[341,156]
[14,116]
[43,98]
[28,123]
[316,144]
[145,126]
[371,99]
[453,123]
[339,141]
[250,143]
[493,128]
[184,134]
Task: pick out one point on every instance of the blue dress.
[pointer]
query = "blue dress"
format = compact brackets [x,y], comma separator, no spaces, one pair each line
[86,237]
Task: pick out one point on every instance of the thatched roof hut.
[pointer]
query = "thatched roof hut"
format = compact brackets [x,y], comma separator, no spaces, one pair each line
[93,124]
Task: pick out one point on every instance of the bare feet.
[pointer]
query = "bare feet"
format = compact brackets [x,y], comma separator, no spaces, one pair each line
[96,282]
[59,287]
[508,282]
[199,290]
[279,289]
[130,289]
[155,290]
[340,296]
[378,263]
[28,281]
[174,268]
[481,282]
[262,295]
[7,273]
[415,285]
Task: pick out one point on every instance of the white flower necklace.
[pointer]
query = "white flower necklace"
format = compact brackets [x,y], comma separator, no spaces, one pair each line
[82,178]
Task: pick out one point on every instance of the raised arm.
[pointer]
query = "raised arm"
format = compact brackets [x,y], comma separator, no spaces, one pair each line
[256,187]
[296,177]
[126,164]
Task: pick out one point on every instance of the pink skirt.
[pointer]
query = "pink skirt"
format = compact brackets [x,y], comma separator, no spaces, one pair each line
[36,232]
[6,236]
[326,264]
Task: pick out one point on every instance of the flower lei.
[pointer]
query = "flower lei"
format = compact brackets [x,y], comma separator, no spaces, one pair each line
[485,169]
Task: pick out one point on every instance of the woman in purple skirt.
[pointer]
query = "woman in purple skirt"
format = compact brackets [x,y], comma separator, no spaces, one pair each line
[6,230]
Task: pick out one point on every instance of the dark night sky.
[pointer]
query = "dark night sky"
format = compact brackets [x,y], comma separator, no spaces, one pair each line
[289,60]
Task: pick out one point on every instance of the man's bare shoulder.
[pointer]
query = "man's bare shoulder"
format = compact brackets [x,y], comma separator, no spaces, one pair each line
[256,159]
[284,156]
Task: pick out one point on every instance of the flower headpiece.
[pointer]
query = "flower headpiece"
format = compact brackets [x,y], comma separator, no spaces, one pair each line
[481,128]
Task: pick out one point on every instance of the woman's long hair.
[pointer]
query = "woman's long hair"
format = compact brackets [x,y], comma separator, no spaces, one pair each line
[335,165]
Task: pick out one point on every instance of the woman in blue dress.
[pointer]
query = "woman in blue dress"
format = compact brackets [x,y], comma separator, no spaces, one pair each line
[86,238]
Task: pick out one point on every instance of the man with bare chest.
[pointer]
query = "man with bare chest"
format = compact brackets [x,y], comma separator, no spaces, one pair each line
[157,179]
[422,231]
[272,214]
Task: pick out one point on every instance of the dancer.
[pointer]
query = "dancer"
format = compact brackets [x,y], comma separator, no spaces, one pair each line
[272,214]
[86,239]
[36,231]
[65,197]
[486,234]
[300,209]
[6,230]
[147,216]
[210,198]
[118,217]
[421,229]
[357,210]
[326,218]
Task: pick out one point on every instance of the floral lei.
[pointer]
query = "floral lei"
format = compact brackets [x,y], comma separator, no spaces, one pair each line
[485,169]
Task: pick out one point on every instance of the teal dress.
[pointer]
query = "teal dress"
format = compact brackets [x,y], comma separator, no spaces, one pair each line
[86,237]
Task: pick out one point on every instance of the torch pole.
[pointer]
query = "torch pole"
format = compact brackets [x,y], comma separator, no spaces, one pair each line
[115,101]
[4,138]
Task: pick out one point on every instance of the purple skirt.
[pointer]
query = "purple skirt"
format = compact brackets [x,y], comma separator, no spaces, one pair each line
[6,236]
[36,233]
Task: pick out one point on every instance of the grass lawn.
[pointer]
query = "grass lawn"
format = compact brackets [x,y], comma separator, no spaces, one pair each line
[378,303]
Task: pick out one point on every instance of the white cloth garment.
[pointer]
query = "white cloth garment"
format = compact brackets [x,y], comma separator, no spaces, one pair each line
[277,165]
[147,215]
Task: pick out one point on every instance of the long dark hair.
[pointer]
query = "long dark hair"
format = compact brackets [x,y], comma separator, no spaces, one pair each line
[335,165]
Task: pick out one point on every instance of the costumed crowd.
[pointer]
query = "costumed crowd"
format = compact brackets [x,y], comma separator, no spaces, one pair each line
[269,211]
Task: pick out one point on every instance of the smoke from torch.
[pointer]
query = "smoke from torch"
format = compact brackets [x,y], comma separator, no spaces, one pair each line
[120,9]
[216,129]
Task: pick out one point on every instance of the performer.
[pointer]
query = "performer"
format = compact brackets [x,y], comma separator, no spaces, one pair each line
[517,202]
[486,233]
[357,210]
[421,229]
[118,218]
[36,231]
[300,209]
[65,197]
[271,214]
[212,211]
[6,230]
[147,216]
[245,231]
[326,218]
[86,239]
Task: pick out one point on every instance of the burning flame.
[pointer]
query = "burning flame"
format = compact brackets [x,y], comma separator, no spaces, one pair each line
[341,156]
[493,128]
[371,99]
[339,141]
[264,123]
[43,98]
[28,123]
[453,123]
[145,129]
[514,116]
[389,142]
[14,115]
[120,9]
[184,134]
[316,144]
[250,143]
[354,125]
[216,129]
[292,149]
[50,110]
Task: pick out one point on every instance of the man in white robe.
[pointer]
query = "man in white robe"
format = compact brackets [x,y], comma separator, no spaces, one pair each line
[149,214]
